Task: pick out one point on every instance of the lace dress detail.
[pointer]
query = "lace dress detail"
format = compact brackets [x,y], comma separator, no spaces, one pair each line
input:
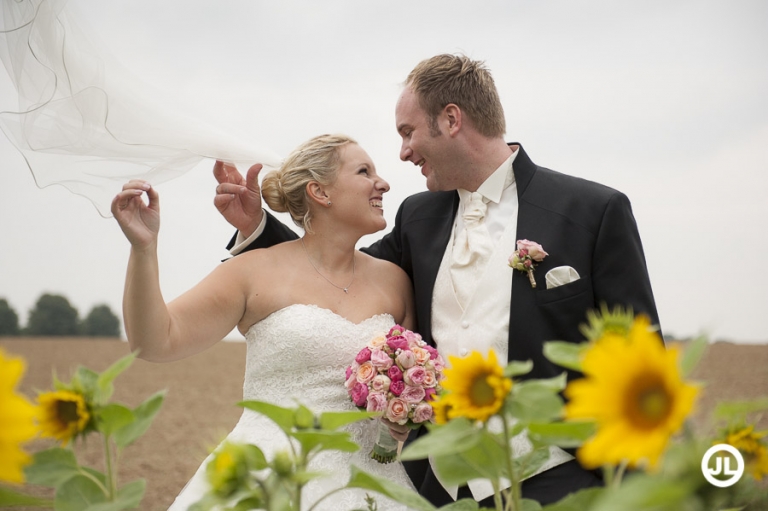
[298,355]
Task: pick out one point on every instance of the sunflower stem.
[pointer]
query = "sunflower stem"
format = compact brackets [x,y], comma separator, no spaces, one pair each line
[619,474]
[111,478]
[514,483]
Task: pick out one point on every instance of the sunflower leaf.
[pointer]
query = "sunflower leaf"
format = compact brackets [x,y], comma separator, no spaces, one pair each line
[335,420]
[565,354]
[740,409]
[312,440]
[78,493]
[52,467]
[692,355]
[112,417]
[516,368]
[396,492]
[562,434]
[283,417]
[11,498]
[535,401]
[143,414]
[104,387]
[582,499]
[457,435]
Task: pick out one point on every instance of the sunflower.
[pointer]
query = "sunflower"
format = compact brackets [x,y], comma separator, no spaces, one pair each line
[754,448]
[634,391]
[477,387]
[440,408]
[17,417]
[64,414]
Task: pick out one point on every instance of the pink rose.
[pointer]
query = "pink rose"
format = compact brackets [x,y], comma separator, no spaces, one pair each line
[397,343]
[534,249]
[429,394]
[363,356]
[432,352]
[348,372]
[413,394]
[395,374]
[412,337]
[397,411]
[395,331]
[366,372]
[415,375]
[406,359]
[430,380]
[397,387]
[422,413]
[381,360]
[359,394]
[377,402]
[378,341]
[351,381]
[380,383]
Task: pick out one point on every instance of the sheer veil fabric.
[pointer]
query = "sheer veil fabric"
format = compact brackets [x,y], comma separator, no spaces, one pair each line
[91,127]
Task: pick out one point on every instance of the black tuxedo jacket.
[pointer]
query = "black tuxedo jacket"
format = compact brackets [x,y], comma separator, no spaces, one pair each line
[581,224]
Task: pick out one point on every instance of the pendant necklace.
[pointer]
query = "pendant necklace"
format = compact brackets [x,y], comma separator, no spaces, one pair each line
[345,289]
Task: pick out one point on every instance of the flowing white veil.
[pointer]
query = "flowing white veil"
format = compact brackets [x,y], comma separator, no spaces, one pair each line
[89,132]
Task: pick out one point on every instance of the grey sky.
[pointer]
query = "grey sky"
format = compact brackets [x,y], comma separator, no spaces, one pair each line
[664,101]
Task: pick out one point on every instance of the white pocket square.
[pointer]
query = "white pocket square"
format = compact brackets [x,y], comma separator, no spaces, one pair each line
[560,276]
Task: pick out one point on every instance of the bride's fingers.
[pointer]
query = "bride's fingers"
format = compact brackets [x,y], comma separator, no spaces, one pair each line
[154,198]
[136,184]
[123,199]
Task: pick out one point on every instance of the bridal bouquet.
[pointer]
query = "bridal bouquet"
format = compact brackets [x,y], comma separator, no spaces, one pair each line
[398,375]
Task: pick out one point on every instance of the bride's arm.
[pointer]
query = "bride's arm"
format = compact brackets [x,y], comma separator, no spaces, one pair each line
[199,318]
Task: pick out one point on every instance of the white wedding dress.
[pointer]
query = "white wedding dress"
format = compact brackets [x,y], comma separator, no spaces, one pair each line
[299,354]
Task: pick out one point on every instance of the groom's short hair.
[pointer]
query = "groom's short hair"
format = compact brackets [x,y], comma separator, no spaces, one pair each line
[445,79]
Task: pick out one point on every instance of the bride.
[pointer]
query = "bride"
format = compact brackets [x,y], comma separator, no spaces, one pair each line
[305,307]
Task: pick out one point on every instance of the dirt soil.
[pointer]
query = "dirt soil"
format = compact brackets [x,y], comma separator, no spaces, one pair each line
[202,392]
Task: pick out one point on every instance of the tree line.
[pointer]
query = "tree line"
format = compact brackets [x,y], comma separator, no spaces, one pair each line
[53,315]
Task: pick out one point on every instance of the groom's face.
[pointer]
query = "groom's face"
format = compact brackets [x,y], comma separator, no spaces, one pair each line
[424,144]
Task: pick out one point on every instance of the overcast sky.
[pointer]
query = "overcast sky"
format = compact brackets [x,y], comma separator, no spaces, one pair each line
[665,101]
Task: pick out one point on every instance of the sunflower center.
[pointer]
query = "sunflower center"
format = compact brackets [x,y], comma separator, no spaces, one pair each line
[66,411]
[481,392]
[650,404]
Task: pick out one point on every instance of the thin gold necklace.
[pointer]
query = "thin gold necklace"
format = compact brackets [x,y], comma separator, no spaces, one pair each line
[345,289]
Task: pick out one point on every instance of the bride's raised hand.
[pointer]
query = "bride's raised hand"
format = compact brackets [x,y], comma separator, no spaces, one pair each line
[139,222]
[238,198]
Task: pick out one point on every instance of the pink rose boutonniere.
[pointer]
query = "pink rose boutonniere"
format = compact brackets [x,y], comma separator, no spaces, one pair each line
[524,258]
[397,376]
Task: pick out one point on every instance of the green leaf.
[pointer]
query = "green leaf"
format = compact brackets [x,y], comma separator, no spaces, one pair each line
[334,420]
[144,415]
[740,409]
[104,386]
[530,463]
[535,400]
[128,497]
[516,368]
[578,501]
[562,434]
[78,494]
[486,460]
[645,492]
[52,467]
[303,418]
[457,435]
[396,492]
[11,498]
[565,354]
[311,440]
[529,505]
[112,417]
[692,355]
[84,382]
[283,417]
[461,505]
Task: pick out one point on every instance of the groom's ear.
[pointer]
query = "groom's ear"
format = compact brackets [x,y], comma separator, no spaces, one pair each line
[317,194]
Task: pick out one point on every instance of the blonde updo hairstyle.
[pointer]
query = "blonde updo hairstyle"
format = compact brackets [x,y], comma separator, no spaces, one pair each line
[317,159]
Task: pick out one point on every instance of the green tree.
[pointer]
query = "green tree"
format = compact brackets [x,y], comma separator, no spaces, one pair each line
[53,315]
[9,320]
[101,322]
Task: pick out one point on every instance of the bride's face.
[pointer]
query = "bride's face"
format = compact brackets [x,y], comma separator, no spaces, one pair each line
[358,192]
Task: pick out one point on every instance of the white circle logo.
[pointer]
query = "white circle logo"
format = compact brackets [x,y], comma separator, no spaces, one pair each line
[722,466]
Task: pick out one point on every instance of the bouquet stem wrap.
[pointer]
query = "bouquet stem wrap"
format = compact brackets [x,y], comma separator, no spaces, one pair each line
[385,448]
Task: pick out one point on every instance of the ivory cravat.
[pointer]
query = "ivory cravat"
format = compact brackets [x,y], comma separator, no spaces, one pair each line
[472,248]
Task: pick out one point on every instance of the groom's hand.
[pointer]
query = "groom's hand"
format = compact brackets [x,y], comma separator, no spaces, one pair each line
[237,199]
[398,432]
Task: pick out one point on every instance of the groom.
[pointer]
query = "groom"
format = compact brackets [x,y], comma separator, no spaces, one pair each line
[454,242]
